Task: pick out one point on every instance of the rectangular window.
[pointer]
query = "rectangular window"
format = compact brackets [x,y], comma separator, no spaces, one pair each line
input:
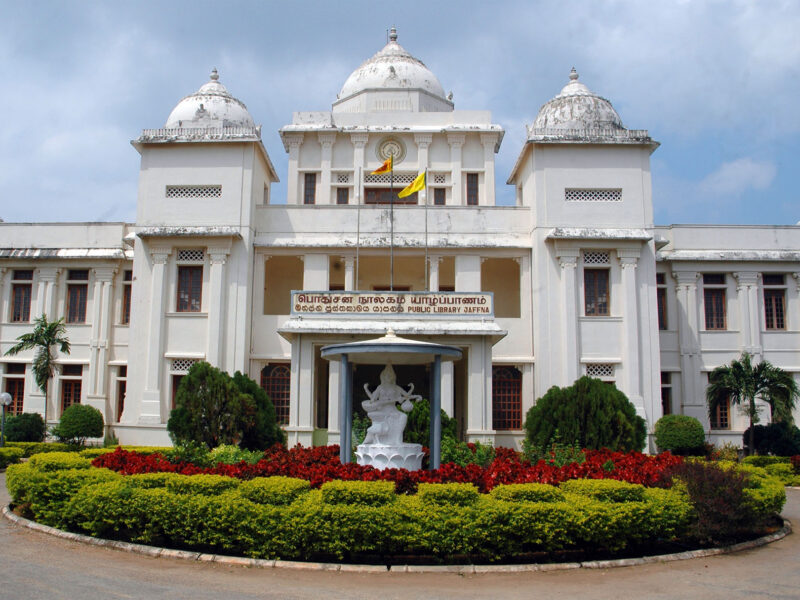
[342,195]
[506,398]
[16,387]
[310,188]
[661,297]
[190,288]
[122,386]
[127,281]
[76,295]
[666,393]
[21,303]
[472,189]
[387,196]
[720,419]
[439,196]
[596,292]
[714,301]
[276,380]
[774,300]
[70,393]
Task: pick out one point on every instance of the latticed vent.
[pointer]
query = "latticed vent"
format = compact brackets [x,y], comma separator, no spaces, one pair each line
[592,195]
[191,255]
[600,370]
[595,258]
[194,191]
[399,178]
[343,178]
[439,178]
[182,365]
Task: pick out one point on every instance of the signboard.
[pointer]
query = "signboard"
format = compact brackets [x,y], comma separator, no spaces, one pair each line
[437,305]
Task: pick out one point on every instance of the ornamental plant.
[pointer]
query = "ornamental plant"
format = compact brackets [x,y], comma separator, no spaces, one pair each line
[27,427]
[680,434]
[78,422]
[418,426]
[589,413]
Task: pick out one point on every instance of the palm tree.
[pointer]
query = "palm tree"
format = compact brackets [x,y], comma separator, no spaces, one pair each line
[44,336]
[742,383]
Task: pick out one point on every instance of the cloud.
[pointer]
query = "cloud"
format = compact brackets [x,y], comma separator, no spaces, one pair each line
[737,177]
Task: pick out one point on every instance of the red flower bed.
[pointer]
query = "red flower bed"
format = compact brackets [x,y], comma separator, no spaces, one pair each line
[321,464]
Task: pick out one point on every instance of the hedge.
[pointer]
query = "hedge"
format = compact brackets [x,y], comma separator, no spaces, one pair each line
[31,448]
[145,450]
[10,456]
[281,518]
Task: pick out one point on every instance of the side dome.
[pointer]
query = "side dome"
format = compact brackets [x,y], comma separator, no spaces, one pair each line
[393,69]
[577,107]
[210,106]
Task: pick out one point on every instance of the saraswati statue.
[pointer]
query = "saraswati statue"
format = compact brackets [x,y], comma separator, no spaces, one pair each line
[383,445]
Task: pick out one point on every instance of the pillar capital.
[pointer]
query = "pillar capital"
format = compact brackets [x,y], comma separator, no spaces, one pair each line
[359,140]
[685,279]
[326,138]
[456,140]
[104,274]
[423,140]
[746,279]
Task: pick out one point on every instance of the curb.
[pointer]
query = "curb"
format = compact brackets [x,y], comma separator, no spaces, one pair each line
[260,563]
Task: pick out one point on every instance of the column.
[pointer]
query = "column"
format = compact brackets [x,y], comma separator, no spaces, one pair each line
[468,273]
[747,290]
[345,407]
[436,414]
[448,401]
[47,293]
[629,259]
[215,353]
[489,141]
[692,399]
[456,141]
[568,260]
[5,308]
[315,272]
[292,143]
[102,316]
[423,141]
[326,141]
[433,273]
[349,272]
[334,402]
[151,397]
[359,141]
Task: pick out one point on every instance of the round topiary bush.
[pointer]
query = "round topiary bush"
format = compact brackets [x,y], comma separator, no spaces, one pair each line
[78,422]
[589,413]
[680,434]
[27,427]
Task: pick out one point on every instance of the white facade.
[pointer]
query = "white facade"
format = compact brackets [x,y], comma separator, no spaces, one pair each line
[578,268]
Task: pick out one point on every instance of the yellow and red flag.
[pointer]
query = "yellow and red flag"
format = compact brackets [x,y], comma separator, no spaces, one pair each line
[386,167]
[414,186]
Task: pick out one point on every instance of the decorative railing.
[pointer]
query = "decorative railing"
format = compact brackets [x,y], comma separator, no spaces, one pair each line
[200,133]
[590,133]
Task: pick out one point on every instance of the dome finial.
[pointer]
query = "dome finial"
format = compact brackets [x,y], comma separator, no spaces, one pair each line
[573,75]
[393,34]
[214,74]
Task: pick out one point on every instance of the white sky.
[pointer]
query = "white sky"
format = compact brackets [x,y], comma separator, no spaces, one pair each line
[715,82]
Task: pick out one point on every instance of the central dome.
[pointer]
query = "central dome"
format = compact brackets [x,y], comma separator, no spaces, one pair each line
[392,69]
[210,106]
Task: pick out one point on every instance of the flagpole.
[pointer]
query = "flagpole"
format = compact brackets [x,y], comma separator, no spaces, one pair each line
[358,195]
[391,226]
[427,268]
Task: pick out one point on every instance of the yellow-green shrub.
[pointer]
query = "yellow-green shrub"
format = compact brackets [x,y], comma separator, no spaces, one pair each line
[527,492]
[10,456]
[358,493]
[59,461]
[31,448]
[274,490]
[458,494]
[204,485]
[151,480]
[607,490]
[48,496]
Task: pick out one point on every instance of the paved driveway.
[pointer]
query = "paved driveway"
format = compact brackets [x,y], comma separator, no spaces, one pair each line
[38,566]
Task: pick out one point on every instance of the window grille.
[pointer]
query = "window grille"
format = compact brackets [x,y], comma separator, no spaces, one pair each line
[276,380]
[472,189]
[192,255]
[592,195]
[439,178]
[596,258]
[600,370]
[182,365]
[343,178]
[16,387]
[774,308]
[194,191]
[398,178]
[506,398]
[596,292]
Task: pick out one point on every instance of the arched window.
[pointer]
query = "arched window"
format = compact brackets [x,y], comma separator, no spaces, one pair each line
[275,379]
[506,398]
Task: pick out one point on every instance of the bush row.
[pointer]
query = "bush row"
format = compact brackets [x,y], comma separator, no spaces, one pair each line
[347,520]
[10,456]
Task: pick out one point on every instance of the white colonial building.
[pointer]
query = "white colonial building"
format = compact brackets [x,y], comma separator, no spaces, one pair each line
[574,279]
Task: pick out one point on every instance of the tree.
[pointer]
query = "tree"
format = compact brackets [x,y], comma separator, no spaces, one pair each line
[44,336]
[79,421]
[742,383]
[589,413]
[261,430]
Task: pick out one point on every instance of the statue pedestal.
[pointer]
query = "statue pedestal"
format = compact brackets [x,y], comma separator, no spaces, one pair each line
[390,456]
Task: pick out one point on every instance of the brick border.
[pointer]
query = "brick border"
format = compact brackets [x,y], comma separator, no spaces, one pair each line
[260,563]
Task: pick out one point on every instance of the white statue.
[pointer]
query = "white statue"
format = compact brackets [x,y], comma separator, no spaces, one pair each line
[388,421]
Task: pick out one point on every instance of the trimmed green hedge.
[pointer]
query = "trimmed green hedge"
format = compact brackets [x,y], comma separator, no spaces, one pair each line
[31,448]
[10,456]
[762,460]
[279,517]
[95,452]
